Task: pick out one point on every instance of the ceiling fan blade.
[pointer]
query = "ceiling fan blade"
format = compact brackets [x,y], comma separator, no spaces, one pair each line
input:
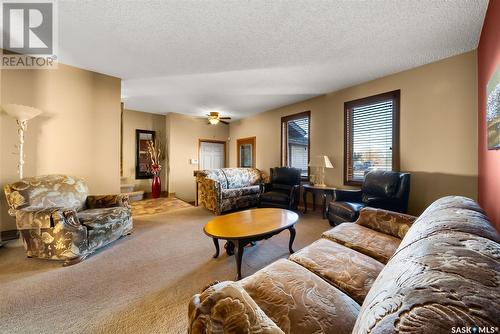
[224,122]
[224,117]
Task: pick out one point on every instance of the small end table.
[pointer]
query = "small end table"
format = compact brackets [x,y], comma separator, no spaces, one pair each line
[324,191]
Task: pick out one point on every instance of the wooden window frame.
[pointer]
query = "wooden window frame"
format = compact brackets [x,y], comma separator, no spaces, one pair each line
[284,148]
[394,95]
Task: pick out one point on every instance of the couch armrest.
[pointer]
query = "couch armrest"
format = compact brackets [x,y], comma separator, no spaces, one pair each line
[107,201]
[52,233]
[344,195]
[227,308]
[43,218]
[209,194]
[385,221]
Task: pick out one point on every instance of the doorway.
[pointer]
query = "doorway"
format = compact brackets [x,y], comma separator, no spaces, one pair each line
[246,152]
[212,154]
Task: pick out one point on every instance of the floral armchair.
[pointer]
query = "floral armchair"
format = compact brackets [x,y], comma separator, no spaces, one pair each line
[226,189]
[58,220]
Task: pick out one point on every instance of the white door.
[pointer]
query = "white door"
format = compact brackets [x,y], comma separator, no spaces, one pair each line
[211,155]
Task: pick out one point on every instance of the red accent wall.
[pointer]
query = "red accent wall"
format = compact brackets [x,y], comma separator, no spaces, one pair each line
[488,58]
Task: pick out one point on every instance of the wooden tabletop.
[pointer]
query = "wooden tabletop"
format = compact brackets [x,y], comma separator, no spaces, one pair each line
[311,186]
[250,223]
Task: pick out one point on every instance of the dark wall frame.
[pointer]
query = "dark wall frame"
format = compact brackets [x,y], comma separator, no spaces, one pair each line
[139,175]
[395,96]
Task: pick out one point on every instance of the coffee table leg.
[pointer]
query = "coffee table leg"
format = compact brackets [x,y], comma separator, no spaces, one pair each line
[216,243]
[239,257]
[292,238]
[229,246]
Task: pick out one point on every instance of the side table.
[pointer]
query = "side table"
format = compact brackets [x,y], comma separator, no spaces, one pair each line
[324,191]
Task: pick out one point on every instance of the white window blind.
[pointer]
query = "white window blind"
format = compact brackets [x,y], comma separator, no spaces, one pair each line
[370,135]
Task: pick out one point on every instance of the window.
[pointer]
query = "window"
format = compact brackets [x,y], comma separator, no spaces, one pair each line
[371,131]
[295,142]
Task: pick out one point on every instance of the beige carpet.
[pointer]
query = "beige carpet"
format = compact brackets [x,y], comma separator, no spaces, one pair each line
[158,206]
[140,284]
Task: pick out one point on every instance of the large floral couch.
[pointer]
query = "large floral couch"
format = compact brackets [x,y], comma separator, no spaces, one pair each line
[58,220]
[226,189]
[385,273]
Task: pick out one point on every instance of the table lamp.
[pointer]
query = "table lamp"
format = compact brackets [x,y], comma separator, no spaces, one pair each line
[321,162]
[22,114]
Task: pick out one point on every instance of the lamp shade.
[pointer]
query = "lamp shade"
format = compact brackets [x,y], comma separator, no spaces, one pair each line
[321,161]
[20,112]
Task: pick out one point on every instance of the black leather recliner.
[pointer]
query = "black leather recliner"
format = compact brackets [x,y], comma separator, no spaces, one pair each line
[283,191]
[380,189]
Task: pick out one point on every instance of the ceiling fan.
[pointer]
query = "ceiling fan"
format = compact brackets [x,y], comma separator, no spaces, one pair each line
[214,118]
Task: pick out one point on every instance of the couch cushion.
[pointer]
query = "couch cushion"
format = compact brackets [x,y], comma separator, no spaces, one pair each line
[276,196]
[347,210]
[347,269]
[378,245]
[300,302]
[241,177]
[237,192]
[47,191]
[95,219]
[216,175]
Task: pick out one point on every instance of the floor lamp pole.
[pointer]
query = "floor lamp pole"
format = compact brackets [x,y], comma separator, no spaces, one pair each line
[21,128]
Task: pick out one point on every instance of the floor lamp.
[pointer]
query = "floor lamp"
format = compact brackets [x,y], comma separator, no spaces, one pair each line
[22,114]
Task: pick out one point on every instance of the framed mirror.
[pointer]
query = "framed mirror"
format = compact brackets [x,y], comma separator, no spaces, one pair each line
[246,152]
[142,160]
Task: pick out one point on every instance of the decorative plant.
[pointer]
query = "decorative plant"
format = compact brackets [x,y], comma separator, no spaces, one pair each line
[155,156]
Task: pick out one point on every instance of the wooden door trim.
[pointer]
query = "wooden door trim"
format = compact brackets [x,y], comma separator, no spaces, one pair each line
[212,141]
[254,149]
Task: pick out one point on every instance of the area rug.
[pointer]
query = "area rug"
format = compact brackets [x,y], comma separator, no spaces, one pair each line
[157,206]
[141,283]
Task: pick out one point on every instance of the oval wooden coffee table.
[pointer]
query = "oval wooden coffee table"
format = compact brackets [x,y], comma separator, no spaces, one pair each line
[248,226]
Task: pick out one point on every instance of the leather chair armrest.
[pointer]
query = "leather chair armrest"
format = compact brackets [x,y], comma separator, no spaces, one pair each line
[227,308]
[344,195]
[295,196]
[385,221]
[107,201]
[265,187]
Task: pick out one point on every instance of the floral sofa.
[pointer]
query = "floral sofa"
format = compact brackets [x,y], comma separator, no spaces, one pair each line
[226,189]
[58,220]
[385,273]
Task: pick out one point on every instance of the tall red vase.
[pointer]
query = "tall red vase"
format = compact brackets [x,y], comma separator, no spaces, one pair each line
[156,186]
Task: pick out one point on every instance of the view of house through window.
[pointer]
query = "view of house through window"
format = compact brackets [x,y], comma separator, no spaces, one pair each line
[371,136]
[295,141]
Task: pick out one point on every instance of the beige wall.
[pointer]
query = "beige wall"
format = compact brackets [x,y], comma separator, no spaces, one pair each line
[184,133]
[133,120]
[438,128]
[78,133]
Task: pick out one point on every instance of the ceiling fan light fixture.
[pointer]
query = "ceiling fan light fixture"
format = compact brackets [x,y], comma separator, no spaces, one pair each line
[213,120]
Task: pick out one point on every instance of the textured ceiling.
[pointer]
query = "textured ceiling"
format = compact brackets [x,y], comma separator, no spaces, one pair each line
[242,57]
